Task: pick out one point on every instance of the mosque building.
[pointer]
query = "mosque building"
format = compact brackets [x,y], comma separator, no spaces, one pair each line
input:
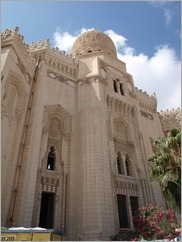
[76,136]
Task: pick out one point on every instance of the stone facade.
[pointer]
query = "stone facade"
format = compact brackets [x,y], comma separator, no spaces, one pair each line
[76,135]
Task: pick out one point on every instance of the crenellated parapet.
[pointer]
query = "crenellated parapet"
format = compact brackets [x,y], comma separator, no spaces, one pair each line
[10,34]
[146,101]
[170,119]
[44,44]
[56,60]
[20,51]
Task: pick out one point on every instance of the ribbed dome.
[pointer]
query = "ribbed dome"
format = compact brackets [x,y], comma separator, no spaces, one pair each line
[93,42]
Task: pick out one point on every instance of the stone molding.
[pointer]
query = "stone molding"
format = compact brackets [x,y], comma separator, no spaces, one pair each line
[126,188]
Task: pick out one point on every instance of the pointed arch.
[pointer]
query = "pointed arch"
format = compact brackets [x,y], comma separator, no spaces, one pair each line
[128,166]
[120,164]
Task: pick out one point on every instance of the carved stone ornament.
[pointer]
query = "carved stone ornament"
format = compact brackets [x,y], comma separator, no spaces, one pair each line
[146,115]
[94,42]
[57,110]
[92,79]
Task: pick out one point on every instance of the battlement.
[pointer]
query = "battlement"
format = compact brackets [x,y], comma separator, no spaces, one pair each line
[173,112]
[10,34]
[11,37]
[170,119]
[41,44]
[146,101]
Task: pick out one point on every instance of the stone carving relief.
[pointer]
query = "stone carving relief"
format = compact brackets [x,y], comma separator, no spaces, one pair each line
[146,115]
[93,79]
[14,97]
[117,106]
[55,128]
[57,110]
[94,42]
[61,78]
[127,188]
[120,128]
[121,131]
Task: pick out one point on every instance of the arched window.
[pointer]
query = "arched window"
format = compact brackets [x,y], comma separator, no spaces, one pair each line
[121,89]
[51,159]
[120,164]
[128,166]
[115,86]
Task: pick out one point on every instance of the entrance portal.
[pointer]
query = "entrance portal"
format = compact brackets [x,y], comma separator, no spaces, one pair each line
[47,210]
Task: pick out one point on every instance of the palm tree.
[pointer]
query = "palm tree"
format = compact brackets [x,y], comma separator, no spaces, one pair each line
[165,167]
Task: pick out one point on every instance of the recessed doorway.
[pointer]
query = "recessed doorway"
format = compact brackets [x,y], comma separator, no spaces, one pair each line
[47,210]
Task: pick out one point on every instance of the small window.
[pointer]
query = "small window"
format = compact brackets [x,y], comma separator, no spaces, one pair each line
[121,89]
[120,164]
[115,86]
[51,159]
[128,166]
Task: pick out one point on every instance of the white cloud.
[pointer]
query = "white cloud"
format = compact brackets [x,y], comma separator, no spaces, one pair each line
[64,40]
[166,7]
[168,17]
[160,73]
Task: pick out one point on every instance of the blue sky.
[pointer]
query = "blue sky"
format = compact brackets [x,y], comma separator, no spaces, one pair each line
[147,35]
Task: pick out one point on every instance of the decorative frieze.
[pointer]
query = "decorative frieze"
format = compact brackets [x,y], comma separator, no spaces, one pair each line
[61,78]
[49,181]
[92,79]
[127,188]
